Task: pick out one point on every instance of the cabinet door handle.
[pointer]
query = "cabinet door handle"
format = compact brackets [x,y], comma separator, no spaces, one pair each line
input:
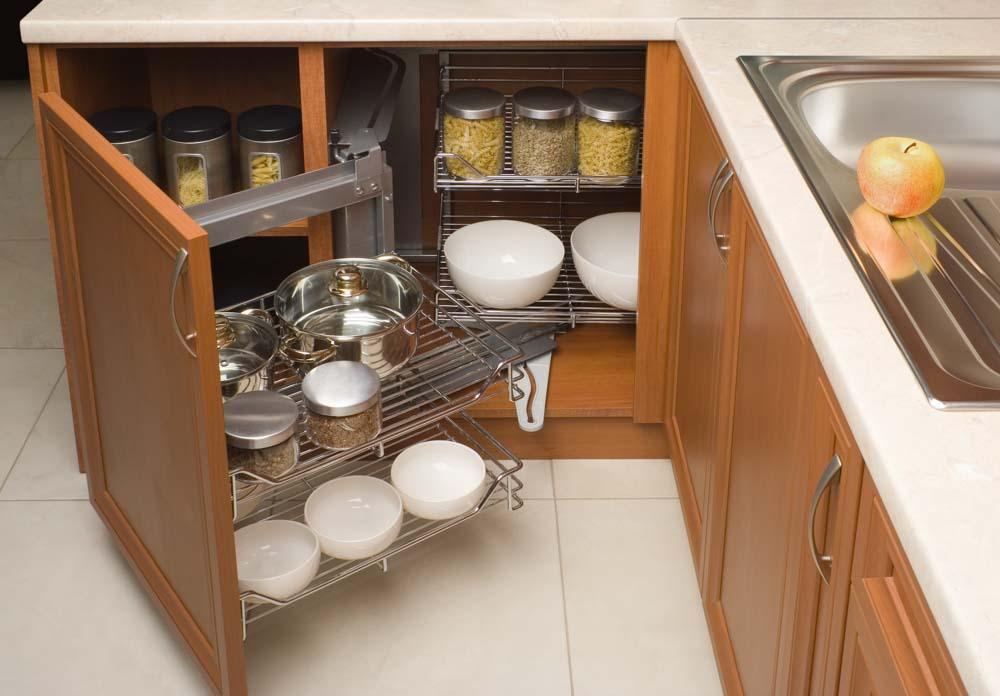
[179,263]
[721,238]
[710,200]
[824,563]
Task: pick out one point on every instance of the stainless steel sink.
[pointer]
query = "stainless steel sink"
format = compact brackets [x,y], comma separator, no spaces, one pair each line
[945,316]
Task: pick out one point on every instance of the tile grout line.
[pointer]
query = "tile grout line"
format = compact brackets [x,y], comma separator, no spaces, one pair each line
[17,145]
[31,430]
[562,582]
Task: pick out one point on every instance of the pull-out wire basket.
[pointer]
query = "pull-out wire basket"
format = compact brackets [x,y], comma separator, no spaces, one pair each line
[500,486]
[459,356]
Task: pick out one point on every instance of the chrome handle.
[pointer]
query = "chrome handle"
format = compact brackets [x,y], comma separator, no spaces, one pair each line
[721,238]
[823,562]
[711,193]
[182,256]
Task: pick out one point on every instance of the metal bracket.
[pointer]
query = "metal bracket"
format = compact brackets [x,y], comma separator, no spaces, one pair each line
[534,382]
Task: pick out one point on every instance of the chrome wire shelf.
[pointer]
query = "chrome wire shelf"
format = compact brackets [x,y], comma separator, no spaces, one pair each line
[502,486]
[459,356]
[509,78]
[568,302]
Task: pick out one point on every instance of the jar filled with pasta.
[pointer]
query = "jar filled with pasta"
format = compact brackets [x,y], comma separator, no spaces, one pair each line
[196,153]
[270,144]
[544,138]
[473,131]
[608,132]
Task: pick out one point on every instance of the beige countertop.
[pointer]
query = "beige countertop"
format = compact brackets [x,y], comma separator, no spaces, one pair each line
[180,21]
[938,473]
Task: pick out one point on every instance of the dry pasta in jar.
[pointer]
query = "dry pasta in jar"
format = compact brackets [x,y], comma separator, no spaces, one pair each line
[473,131]
[608,132]
[270,144]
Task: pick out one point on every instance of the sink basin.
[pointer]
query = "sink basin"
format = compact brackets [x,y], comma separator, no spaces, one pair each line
[944,312]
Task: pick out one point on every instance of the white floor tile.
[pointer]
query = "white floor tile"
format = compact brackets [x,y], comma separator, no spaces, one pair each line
[633,610]
[16,114]
[22,202]
[613,478]
[29,315]
[47,468]
[537,479]
[76,621]
[27,148]
[26,380]
[477,610]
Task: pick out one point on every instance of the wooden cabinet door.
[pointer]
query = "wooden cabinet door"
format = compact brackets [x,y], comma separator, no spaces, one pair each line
[756,498]
[144,380]
[700,276]
[826,549]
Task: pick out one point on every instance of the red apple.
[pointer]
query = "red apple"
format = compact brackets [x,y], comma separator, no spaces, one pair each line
[901,177]
[899,247]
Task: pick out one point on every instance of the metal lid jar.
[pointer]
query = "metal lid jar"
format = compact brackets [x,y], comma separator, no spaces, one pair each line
[608,132]
[132,130]
[344,404]
[473,132]
[270,144]
[196,153]
[247,344]
[260,430]
[544,134]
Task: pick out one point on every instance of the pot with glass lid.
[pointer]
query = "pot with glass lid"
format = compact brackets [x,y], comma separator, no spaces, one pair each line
[247,344]
[350,309]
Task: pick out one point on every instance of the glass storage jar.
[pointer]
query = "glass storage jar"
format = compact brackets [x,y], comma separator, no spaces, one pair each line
[132,130]
[608,132]
[473,130]
[260,433]
[544,138]
[270,144]
[344,404]
[196,152]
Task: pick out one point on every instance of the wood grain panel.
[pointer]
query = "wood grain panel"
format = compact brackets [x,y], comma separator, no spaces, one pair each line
[316,115]
[151,414]
[582,438]
[661,151]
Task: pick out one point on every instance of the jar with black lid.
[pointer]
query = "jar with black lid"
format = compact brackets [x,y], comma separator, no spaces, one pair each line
[132,130]
[270,144]
[196,153]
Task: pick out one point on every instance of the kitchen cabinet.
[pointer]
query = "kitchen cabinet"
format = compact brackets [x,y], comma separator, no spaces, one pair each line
[700,277]
[755,496]
[891,642]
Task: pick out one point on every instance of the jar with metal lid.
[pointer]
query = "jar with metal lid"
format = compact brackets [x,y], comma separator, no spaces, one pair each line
[132,130]
[196,153]
[247,344]
[608,132]
[270,144]
[473,132]
[544,138]
[260,433]
[344,404]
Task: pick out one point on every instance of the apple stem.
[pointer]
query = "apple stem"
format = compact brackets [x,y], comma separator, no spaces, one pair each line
[907,149]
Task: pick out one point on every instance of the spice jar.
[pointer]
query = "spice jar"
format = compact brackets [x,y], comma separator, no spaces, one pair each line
[132,130]
[196,152]
[260,429]
[544,139]
[270,144]
[473,130]
[608,132]
[344,403]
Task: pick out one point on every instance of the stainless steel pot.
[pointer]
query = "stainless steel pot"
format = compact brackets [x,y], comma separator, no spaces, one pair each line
[350,309]
[247,344]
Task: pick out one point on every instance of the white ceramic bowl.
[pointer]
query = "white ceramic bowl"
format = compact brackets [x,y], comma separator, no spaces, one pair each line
[354,516]
[606,256]
[504,263]
[276,558]
[439,479]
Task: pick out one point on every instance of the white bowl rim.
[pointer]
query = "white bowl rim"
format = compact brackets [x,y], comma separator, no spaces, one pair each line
[397,498]
[486,276]
[602,269]
[315,550]
[451,443]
